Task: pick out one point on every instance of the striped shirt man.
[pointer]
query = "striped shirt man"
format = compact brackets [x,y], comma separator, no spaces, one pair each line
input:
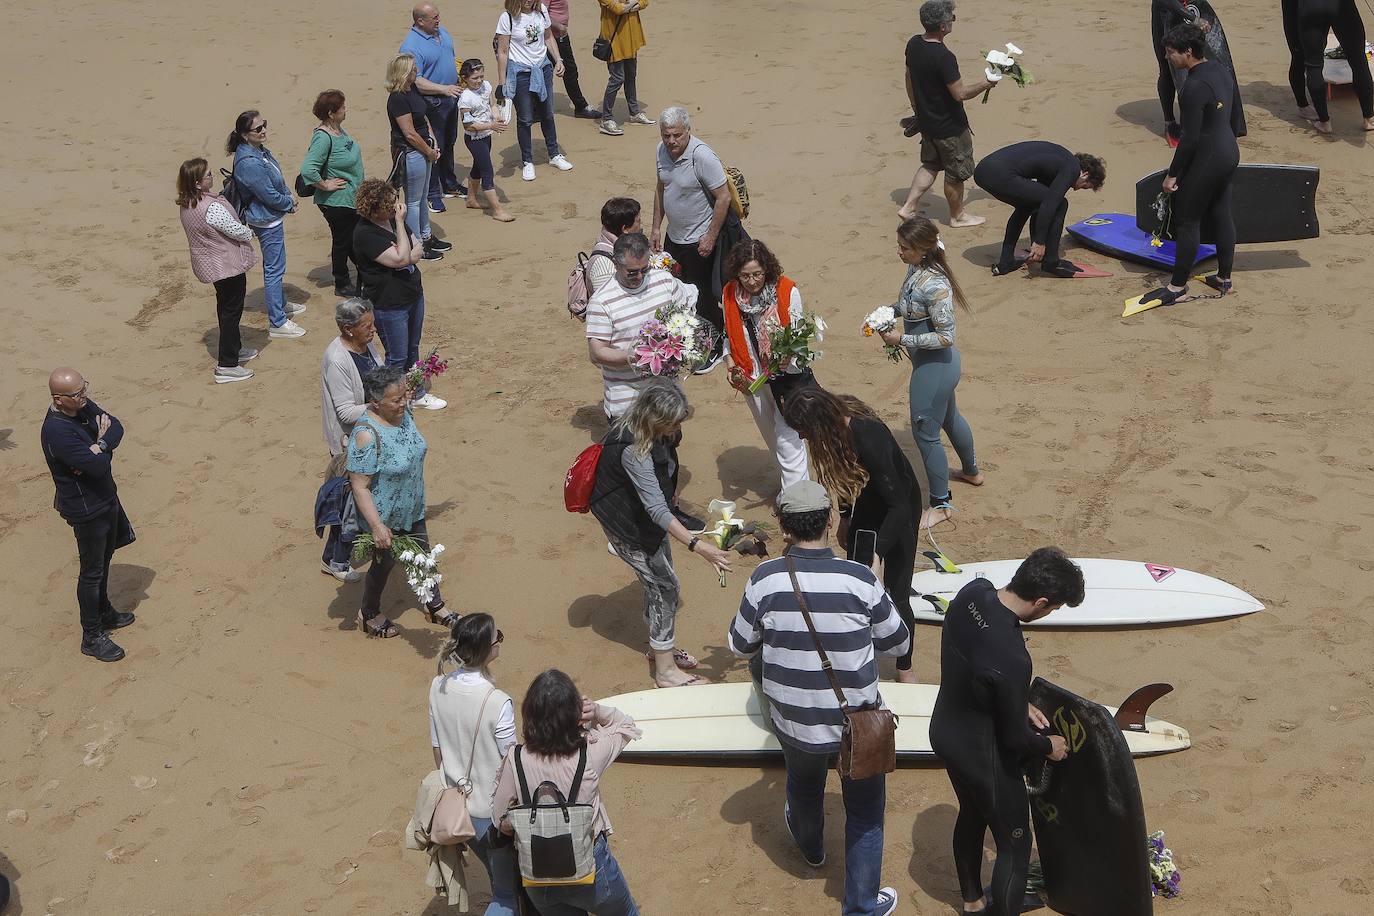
[615,315]
[855,620]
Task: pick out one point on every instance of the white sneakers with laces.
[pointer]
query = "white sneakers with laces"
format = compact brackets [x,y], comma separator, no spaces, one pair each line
[527,172]
[429,402]
[287,330]
[561,163]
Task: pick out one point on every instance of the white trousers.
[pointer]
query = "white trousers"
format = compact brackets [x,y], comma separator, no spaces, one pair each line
[788,448]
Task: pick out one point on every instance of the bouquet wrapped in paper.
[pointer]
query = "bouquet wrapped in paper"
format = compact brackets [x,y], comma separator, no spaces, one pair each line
[880,321]
[672,343]
[790,345]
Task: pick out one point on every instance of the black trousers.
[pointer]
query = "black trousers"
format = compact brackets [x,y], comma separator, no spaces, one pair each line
[95,545]
[341,221]
[570,83]
[229,309]
[700,272]
[382,563]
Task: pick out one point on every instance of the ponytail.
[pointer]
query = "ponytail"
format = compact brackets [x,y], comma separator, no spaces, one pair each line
[241,126]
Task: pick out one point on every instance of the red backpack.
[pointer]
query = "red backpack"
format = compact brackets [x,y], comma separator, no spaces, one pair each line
[581,479]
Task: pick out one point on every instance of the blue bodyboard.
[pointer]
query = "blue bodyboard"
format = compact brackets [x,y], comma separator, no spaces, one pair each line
[1116,234]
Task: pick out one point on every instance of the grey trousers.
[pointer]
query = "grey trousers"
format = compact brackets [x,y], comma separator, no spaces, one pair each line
[934,376]
[622,73]
[662,592]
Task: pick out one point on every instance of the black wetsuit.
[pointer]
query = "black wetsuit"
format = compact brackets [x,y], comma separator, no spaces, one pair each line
[1164,15]
[1205,165]
[980,729]
[1033,177]
[1305,25]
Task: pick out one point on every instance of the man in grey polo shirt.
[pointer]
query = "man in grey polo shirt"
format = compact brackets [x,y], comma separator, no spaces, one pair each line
[692,193]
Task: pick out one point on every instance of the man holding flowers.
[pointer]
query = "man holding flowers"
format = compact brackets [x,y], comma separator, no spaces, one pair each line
[937,94]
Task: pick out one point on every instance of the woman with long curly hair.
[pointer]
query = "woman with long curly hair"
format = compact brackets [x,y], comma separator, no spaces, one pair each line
[855,457]
[758,295]
[926,305]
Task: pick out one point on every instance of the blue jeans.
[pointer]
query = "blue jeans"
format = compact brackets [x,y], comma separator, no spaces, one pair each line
[500,863]
[418,170]
[609,896]
[400,331]
[528,107]
[443,120]
[336,551]
[864,801]
[273,244]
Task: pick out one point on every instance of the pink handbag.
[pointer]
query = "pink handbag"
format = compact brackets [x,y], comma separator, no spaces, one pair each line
[452,824]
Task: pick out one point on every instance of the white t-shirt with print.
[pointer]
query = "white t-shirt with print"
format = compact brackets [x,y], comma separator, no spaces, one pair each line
[526,36]
[476,109]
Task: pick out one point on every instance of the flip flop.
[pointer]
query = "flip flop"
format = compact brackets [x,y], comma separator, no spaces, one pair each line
[696,680]
[681,657]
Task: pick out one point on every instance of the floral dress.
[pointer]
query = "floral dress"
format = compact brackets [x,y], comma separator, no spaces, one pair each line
[395,459]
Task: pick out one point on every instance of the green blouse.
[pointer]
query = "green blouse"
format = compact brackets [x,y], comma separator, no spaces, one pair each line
[334,157]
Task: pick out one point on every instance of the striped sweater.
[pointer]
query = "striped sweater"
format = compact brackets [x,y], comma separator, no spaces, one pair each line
[856,621]
[615,315]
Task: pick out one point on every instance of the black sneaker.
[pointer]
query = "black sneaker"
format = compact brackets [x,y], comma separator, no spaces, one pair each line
[690,522]
[101,646]
[462,192]
[117,621]
[438,244]
[711,362]
[590,114]
[432,254]
[345,291]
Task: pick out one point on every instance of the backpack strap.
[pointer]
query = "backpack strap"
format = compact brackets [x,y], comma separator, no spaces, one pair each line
[520,776]
[577,776]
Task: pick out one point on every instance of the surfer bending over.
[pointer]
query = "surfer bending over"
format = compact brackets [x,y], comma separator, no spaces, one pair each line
[1204,167]
[983,726]
[1305,25]
[1033,177]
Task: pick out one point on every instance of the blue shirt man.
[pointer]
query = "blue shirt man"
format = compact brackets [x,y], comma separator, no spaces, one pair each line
[437,79]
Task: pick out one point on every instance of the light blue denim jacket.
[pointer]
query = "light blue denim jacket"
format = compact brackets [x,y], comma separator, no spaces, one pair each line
[539,78]
[264,185]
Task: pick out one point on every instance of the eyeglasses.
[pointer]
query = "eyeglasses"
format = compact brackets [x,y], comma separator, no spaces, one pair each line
[753,275]
[259,129]
[79,393]
[635,271]
[500,638]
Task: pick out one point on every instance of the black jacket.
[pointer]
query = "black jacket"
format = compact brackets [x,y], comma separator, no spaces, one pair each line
[84,479]
[615,501]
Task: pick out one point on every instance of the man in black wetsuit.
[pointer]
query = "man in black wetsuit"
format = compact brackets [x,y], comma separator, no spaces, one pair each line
[1204,167]
[1033,177]
[1305,26]
[983,726]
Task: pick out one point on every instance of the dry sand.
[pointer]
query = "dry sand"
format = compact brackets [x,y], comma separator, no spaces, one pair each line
[253,755]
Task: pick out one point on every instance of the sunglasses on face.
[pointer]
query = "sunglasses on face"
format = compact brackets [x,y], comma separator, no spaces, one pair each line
[500,638]
[79,393]
[635,271]
[259,129]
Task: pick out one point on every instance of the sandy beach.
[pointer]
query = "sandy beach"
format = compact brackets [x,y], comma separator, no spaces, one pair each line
[254,755]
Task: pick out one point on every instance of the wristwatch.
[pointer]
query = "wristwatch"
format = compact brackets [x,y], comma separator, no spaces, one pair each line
[692,545]
[102,445]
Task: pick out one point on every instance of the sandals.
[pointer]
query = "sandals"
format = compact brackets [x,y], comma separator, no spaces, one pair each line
[694,681]
[377,627]
[440,615]
[684,659]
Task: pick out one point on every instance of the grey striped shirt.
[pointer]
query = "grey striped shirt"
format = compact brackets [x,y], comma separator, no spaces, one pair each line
[856,621]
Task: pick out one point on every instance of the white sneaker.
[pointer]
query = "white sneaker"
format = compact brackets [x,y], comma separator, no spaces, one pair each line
[527,172]
[561,163]
[295,308]
[226,374]
[247,353]
[610,128]
[430,402]
[887,901]
[641,118]
[343,575]
[288,329]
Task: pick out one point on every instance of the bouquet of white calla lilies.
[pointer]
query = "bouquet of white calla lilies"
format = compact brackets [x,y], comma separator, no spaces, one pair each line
[1003,63]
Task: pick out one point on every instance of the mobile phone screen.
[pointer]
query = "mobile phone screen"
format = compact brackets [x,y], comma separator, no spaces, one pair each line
[865,543]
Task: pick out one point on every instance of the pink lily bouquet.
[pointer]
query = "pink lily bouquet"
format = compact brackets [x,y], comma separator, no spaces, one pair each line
[672,343]
[424,370]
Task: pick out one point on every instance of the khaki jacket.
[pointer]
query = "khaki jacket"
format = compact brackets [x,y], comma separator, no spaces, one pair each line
[445,872]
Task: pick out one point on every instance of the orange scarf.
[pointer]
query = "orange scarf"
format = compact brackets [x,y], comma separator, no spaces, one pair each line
[734,325]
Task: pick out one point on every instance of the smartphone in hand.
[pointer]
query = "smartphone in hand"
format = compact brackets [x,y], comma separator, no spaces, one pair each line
[865,545]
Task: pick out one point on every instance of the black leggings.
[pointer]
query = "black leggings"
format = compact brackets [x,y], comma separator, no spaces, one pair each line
[899,567]
[341,221]
[992,797]
[1164,84]
[1305,24]
[229,310]
[481,161]
[1204,194]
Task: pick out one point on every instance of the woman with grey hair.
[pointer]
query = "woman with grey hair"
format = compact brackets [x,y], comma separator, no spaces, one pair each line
[636,482]
[349,357]
[386,470]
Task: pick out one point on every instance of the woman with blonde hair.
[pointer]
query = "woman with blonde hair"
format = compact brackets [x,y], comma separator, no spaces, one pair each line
[414,149]
[926,306]
[856,459]
[221,254]
[636,484]
[527,60]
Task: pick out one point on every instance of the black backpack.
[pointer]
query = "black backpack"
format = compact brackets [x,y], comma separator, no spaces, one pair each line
[231,192]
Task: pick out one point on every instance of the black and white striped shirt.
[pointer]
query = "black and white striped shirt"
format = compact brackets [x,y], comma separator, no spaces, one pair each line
[855,619]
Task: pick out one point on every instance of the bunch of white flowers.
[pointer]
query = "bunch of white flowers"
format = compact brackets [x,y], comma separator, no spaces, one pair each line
[1003,63]
[880,321]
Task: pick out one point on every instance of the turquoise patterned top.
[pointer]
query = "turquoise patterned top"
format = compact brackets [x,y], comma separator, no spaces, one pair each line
[926,304]
[395,459]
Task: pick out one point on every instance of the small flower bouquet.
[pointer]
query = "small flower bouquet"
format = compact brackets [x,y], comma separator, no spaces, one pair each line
[421,566]
[419,375]
[673,342]
[790,345]
[880,321]
[1163,209]
[1004,62]
[731,532]
[1164,876]
[662,260]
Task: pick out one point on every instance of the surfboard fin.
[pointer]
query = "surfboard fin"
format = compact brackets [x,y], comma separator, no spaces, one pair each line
[942,562]
[941,605]
[1131,714]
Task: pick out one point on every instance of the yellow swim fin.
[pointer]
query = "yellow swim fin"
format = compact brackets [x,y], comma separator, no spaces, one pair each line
[1135,305]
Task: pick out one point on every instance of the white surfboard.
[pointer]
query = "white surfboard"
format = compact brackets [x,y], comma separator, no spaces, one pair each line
[1117,593]
[726,720]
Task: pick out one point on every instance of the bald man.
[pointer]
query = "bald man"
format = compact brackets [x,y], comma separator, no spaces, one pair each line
[79,442]
[437,80]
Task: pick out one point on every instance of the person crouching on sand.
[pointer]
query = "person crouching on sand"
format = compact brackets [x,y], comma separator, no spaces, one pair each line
[636,480]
